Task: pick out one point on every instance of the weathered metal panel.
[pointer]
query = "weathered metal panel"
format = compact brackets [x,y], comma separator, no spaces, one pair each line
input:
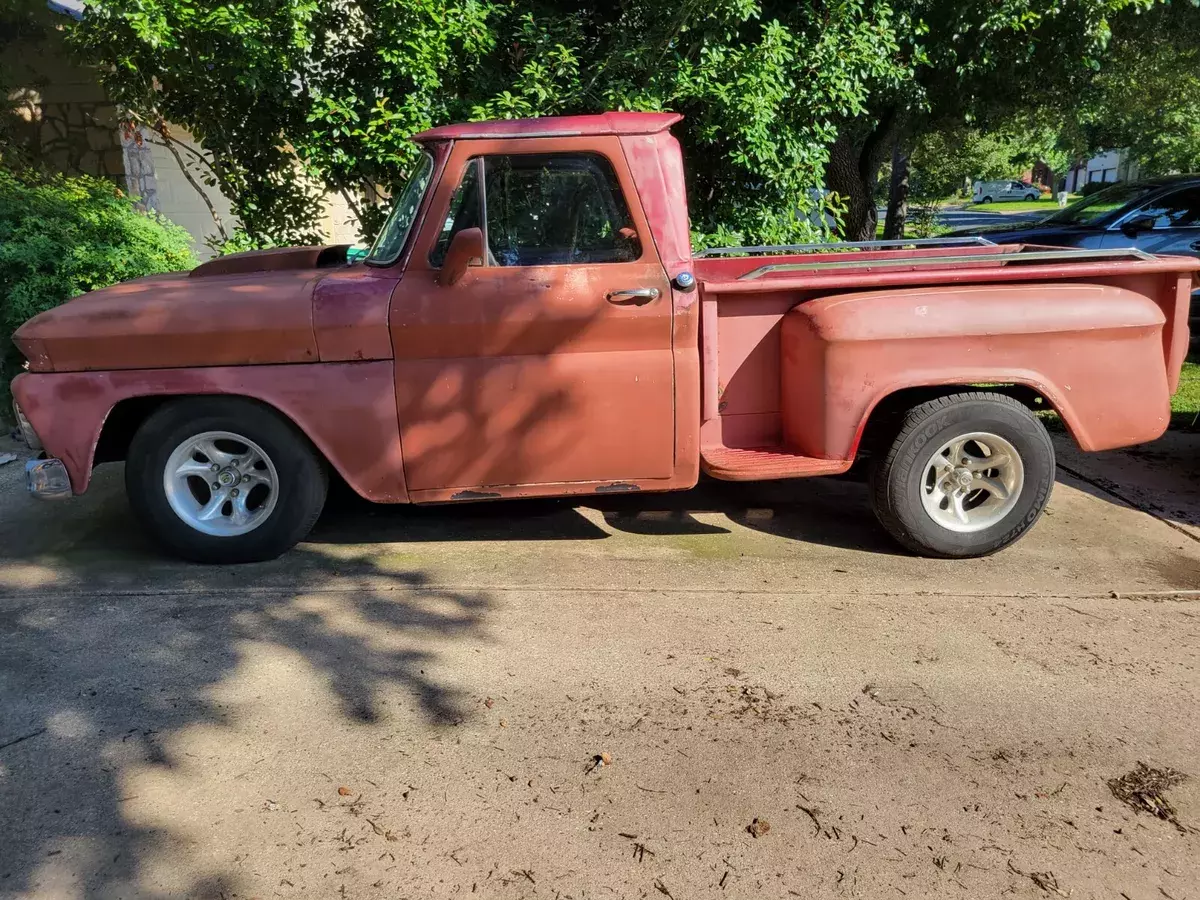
[348,411]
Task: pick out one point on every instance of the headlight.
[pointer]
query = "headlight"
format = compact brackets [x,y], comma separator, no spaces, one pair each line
[27,431]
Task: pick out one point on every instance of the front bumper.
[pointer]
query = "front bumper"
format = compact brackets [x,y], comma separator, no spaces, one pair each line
[47,479]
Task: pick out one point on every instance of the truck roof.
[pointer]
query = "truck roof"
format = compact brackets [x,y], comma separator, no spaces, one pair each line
[555,126]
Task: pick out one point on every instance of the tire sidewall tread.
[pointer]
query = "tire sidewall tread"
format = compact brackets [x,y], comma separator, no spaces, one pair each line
[897,477]
[303,479]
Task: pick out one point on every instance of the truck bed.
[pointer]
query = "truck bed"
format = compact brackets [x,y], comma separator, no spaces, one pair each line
[799,344]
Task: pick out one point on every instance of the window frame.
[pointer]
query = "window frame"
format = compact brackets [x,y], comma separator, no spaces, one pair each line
[1160,198]
[621,179]
[481,183]
[414,227]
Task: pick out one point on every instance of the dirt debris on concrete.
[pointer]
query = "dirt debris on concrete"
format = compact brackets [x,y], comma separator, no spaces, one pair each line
[1144,790]
[758,827]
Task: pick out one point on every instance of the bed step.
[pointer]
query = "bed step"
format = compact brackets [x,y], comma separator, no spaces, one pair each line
[763,463]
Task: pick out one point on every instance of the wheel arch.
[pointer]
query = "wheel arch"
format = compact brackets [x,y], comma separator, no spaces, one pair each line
[129,414]
[882,419]
[347,411]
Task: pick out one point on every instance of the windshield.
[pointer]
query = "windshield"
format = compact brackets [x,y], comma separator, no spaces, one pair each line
[390,242]
[1092,209]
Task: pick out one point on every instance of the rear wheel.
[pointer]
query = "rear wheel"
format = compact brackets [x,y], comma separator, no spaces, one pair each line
[224,480]
[967,475]
[986,200]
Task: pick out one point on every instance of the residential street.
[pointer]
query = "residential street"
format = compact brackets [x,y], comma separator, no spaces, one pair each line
[965,218]
[958,217]
[411,704]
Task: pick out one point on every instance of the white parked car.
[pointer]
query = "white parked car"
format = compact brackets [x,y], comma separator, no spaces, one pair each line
[995,191]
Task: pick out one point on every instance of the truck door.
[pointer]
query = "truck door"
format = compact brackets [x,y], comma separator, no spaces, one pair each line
[550,363]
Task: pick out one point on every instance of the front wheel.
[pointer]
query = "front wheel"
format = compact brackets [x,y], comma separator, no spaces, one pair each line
[224,480]
[1032,197]
[967,475]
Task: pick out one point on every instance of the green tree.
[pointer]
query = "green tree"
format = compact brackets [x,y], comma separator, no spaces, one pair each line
[334,88]
[976,63]
[947,160]
[780,97]
[61,237]
[1146,97]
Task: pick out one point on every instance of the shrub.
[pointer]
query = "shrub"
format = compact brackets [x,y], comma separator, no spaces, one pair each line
[61,237]
[1093,187]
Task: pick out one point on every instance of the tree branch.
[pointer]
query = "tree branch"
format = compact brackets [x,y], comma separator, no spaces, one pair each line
[170,143]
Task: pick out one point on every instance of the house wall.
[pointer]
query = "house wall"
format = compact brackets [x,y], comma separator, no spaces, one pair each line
[1108,167]
[179,200]
[66,121]
[61,114]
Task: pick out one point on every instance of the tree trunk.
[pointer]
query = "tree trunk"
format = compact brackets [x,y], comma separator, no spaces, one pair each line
[844,177]
[897,209]
[853,172]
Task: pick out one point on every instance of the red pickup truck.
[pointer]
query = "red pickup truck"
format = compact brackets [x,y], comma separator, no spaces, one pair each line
[532,322]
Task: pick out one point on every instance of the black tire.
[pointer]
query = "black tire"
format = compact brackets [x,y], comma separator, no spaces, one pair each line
[303,480]
[1032,197]
[986,200]
[898,477]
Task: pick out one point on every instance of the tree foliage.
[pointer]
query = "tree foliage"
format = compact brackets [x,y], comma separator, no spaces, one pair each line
[948,160]
[1147,95]
[976,63]
[333,89]
[299,97]
[61,237]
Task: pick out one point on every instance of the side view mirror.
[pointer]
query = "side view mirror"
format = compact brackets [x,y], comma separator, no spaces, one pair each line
[465,250]
[1136,226]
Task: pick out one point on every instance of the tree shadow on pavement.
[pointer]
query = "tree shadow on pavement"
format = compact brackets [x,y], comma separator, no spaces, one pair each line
[96,684]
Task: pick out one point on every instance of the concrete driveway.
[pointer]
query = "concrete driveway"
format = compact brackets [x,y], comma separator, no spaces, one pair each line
[413,704]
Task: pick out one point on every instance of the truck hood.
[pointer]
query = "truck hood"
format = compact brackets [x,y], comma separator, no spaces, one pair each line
[245,309]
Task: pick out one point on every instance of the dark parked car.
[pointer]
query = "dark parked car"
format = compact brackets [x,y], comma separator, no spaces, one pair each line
[1159,215]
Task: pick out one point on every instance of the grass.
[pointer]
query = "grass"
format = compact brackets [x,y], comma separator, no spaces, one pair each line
[1019,206]
[1185,405]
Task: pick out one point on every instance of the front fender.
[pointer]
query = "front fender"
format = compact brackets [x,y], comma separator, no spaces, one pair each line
[348,411]
[1095,352]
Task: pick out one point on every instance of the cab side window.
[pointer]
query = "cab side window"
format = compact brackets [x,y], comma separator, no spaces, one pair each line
[543,210]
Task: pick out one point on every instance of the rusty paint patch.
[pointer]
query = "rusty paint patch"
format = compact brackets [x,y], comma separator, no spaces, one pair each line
[475,495]
[619,487]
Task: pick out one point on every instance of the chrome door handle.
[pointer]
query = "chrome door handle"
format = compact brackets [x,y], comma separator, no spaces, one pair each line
[633,296]
[1194,245]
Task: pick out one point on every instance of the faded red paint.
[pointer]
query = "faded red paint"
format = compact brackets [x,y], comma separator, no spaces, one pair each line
[173,321]
[350,314]
[610,123]
[527,381]
[528,376]
[346,409]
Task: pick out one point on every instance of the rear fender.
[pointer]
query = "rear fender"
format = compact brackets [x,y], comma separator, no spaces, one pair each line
[1095,352]
[348,411]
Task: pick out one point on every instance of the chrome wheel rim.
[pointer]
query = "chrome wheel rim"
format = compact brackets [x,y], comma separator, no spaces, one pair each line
[221,483]
[972,482]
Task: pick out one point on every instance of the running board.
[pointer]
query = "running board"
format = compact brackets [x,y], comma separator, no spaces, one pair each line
[765,463]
